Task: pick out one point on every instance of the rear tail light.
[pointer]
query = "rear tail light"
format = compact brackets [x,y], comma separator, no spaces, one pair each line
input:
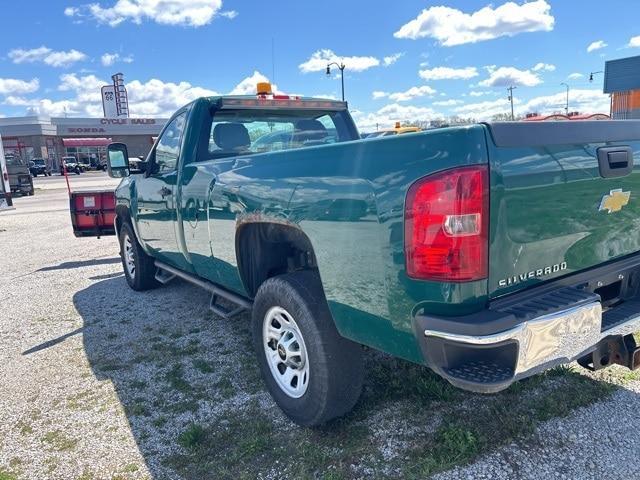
[446,226]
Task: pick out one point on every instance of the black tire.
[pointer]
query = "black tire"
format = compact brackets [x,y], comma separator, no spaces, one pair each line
[335,364]
[31,193]
[142,276]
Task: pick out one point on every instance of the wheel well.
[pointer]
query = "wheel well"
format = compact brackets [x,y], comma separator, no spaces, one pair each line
[264,250]
[122,215]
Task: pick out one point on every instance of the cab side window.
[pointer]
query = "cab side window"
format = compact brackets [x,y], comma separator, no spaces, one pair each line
[168,147]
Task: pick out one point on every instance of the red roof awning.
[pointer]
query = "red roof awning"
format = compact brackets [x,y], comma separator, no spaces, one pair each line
[86,142]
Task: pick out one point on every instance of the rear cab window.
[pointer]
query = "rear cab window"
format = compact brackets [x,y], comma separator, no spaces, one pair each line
[260,130]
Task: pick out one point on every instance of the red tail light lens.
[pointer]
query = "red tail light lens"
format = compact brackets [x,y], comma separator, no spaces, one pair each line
[446,226]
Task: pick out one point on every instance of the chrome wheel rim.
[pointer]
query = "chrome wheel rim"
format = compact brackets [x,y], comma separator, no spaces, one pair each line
[129,259]
[286,352]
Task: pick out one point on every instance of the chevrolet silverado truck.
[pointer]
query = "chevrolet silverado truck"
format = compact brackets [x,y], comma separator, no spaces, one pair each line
[487,253]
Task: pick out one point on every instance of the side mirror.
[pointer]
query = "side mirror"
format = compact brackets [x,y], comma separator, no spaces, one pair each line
[118,160]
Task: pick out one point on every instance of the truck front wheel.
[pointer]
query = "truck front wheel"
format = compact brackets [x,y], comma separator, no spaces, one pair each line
[313,373]
[139,268]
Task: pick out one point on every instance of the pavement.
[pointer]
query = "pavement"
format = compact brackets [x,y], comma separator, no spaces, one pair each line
[51,194]
[99,382]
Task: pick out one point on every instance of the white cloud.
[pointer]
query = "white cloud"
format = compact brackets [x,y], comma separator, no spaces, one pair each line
[634,42]
[410,94]
[151,98]
[582,100]
[47,56]
[109,59]
[328,96]
[248,85]
[447,73]
[479,93]
[14,86]
[575,76]
[391,59]
[453,27]
[486,110]
[507,76]
[545,67]
[158,98]
[377,94]
[189,13]
[593,46]
[319,60]
[388,115]
[230,14]
[448,103]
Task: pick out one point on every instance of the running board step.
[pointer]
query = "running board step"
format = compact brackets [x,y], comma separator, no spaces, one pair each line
[163,276]
[217,291]
[222,311]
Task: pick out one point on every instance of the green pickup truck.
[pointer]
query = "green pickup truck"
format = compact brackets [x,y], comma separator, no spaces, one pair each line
[487,253]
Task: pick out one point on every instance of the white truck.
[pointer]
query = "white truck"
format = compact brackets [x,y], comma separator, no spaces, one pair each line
[5,188]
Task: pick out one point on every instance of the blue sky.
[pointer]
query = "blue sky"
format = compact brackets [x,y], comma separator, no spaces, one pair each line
[414,60]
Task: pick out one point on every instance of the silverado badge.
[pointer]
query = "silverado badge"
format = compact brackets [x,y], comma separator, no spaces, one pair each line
[614,201]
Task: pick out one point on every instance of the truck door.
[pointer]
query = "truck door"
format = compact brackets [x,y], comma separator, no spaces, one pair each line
[156,215]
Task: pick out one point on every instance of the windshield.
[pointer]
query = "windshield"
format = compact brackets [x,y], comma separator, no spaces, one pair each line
[241,132]
[14,161]
[38,161]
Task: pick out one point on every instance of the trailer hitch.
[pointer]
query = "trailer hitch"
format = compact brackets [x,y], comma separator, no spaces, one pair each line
[620,350]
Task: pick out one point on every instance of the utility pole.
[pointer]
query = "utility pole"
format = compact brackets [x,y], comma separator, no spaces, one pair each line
[510,97]
[566,107]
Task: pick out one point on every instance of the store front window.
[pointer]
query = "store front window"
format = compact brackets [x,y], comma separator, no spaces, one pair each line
[92,157]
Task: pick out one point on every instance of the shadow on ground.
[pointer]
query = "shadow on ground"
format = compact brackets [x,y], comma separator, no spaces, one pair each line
[197,408]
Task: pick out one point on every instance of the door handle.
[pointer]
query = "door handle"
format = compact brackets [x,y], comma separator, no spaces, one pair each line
[165,192]
[615,161]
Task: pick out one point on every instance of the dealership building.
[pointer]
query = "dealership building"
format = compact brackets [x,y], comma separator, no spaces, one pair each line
[86,139]
[622,81]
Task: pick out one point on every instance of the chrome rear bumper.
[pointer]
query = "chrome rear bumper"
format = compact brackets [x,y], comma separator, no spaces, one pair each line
[491,362]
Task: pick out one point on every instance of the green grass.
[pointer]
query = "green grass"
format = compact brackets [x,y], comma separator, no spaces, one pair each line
[192,437]
[4,475]
[175,378]
[59,441]
[407,399]
[130,468]
[203,366]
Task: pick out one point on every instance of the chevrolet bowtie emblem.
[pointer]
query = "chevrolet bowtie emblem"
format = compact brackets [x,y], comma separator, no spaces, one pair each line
[614,201]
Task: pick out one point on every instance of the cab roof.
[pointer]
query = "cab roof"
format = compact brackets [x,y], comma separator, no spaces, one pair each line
[286,102]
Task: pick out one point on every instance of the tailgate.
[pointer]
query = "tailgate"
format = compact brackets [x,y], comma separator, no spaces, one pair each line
[565,197]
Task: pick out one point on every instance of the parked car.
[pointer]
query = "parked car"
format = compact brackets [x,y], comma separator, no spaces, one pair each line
[38,166]
[20,179]
[488,252]
[71,164]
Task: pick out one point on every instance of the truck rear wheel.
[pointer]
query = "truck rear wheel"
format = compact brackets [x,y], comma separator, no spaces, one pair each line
[139,268]
[313,373]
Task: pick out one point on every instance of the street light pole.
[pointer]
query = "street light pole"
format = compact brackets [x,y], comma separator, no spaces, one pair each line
[566,108]
[592,74]
[511,89]
[341,66]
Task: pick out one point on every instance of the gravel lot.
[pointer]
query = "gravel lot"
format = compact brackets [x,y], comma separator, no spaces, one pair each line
[99,382]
